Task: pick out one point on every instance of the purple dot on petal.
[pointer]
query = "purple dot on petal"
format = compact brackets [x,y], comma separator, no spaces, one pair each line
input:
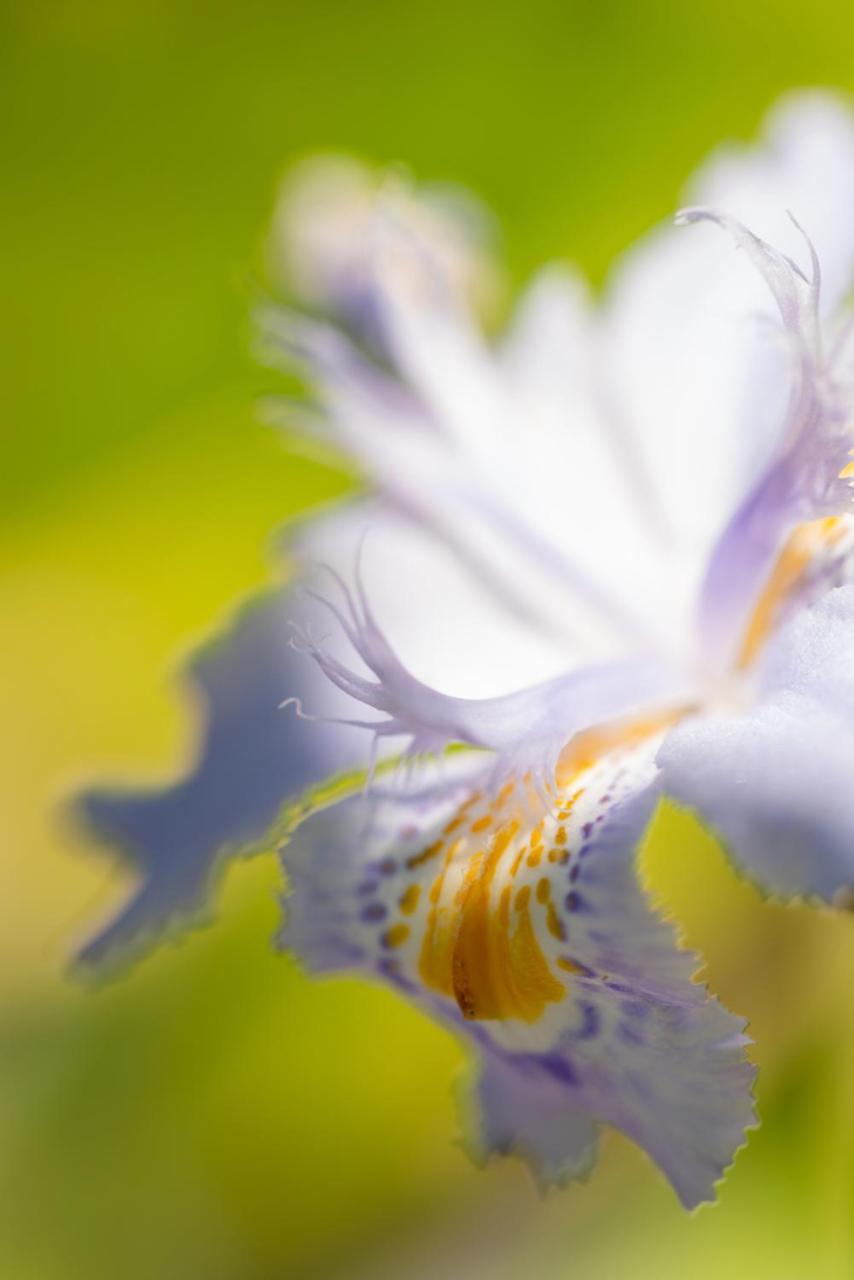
[344,954]
[559,1067]
[387,867]
[374,911]
[574,902]
[587,830]
[590,1022]
[367,887]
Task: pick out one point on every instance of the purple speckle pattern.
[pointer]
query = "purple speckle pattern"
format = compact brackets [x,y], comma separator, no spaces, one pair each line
[630,1025]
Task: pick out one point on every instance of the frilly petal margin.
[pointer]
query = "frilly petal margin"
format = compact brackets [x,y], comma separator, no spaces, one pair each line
[775,780]
[252,759]
[533,940]
[805,477]
[526,728]
[689,367]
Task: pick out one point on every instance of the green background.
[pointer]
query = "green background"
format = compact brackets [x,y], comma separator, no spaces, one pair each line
[214,1114]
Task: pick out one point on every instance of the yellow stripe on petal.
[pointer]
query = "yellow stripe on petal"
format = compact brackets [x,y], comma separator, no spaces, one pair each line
[409,900]
[499,969]
[804,545]
[485,912]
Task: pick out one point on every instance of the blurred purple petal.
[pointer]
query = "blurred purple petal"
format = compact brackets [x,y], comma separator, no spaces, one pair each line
[253,757]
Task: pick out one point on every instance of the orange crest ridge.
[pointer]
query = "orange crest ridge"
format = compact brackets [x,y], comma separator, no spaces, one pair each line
[490,929]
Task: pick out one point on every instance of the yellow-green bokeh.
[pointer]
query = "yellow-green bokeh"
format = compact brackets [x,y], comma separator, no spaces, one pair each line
[214,1114]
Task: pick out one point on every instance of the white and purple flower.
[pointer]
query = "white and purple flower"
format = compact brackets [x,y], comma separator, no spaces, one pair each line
[609,558]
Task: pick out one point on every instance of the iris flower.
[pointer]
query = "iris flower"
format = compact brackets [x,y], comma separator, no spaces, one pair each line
[604,557]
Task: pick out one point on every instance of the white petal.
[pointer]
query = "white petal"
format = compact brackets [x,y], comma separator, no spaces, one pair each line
[695,372]
[528,485]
